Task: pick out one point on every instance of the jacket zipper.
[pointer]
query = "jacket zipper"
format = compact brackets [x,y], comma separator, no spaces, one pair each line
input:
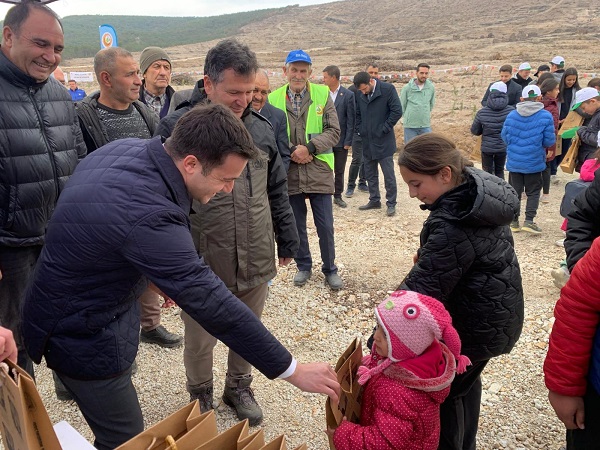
[48,147]
[249,179]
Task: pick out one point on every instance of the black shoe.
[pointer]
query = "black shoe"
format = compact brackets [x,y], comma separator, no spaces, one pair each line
[370,205]
[391,211]
[341,203]
[160,336]
[239,395]
[204,395]
[363,188]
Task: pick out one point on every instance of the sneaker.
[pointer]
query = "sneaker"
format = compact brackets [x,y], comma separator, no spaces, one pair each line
[160,336]
[531,227]
[349,192]
[370,205]
[545,198]
[239,395]
[204,394]
[554,179]
[391,211]
[302,277]
[514,226]
[363,188]
[560,242]
[334,281]
[338,201]
[561,276]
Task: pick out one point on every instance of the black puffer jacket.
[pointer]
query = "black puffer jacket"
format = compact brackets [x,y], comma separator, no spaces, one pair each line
[40,144]
[467,261]
[489,121]
[583,223]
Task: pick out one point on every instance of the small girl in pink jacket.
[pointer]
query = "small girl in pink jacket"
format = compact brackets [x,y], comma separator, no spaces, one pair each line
[407,376]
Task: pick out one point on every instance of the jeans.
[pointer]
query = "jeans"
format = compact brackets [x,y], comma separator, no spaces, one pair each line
[340,155]
[357,169]
[494,163]
[389,177]
[410,133]
[459,413]
[532,184]
[17,265]
[322,210]
[110,407]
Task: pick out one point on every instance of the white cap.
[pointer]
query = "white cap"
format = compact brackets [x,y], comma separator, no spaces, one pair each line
[531,91]
[525,66]
[558,60]
[583,95]
[498,86]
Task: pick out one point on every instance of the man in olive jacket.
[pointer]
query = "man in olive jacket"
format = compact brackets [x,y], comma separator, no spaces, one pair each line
[313,130]
[235,232]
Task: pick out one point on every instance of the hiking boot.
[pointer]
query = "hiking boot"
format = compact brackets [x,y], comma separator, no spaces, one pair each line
[334,281]
[338,201]
[561,276]
[349,192]
[391,211]
[531,227]
[302,277]
[362,188]
[514,226]
[370,205]
[62,393]
[160,336]
[239,395]
[204,394]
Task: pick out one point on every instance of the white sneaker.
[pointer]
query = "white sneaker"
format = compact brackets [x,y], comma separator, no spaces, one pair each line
[545,198]
[561,276]
[560,242]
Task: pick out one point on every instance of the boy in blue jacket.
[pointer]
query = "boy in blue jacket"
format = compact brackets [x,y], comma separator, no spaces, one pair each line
[527,132]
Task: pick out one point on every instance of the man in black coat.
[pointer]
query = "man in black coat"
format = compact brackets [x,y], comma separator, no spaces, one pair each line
[378,110]
[513,89]
[343,99]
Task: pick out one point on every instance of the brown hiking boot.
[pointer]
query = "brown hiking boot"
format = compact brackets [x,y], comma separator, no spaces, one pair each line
[239,395]
[204,394]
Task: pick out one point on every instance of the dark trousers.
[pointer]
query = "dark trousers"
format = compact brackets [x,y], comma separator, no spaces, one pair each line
[555,163]
[110,407]
[532,184]
[17,265]
[589,438]
[459,414]
[546,178]
[357,169]
[494,163]
[389,178]
[340,155]
[322,211]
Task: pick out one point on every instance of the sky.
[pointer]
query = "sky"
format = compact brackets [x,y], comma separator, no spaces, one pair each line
[163,8]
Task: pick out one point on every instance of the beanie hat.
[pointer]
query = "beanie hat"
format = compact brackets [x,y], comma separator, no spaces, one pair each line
[498,86]
[412,322]
[151,54]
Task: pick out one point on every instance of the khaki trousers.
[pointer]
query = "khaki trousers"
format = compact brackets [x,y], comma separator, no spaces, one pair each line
[199,344]
[149,310]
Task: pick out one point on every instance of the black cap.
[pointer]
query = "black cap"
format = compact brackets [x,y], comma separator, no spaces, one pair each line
[542,68]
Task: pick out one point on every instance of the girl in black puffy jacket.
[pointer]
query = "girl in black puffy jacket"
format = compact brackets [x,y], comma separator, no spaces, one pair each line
[467,261]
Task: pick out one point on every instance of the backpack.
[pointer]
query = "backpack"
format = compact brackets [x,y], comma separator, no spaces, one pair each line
[572,189]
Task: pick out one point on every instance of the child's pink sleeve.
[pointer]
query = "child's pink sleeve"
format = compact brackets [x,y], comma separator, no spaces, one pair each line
[588,169]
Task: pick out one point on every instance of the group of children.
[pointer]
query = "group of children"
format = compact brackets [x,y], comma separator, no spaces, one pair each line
[422,385]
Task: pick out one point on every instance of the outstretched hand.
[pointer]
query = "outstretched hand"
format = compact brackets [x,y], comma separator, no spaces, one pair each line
[316,377]
[568,409]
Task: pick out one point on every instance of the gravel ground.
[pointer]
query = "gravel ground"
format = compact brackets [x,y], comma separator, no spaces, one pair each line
[374,253]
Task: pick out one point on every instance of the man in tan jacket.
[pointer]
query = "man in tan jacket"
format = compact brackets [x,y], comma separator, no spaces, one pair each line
[313,130]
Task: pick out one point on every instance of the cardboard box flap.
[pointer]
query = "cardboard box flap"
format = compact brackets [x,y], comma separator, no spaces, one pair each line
[255,441]
[227,440]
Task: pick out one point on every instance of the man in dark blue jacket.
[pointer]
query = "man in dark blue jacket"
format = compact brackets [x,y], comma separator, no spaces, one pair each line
[378,109]
[122,222]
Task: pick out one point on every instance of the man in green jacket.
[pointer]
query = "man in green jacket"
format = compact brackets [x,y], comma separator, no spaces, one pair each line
[417,99]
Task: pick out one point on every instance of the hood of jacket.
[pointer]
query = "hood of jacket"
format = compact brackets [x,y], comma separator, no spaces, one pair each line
[497,101]
[526,109]
[475,203]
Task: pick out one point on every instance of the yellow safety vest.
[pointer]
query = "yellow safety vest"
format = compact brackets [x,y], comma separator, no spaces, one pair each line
[314,122]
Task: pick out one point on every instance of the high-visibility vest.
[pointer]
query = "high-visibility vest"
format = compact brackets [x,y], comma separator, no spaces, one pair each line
[314,122]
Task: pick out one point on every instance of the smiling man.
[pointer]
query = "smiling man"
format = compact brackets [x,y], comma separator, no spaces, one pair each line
[40,144]
[156,91]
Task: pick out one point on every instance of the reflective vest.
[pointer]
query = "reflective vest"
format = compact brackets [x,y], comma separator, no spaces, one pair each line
[314,122]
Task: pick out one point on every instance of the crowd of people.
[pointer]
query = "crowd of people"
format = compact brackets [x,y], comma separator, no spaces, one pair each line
[112,200]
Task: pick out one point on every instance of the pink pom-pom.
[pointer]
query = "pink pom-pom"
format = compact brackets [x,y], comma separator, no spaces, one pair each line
[463,362]
[363,374]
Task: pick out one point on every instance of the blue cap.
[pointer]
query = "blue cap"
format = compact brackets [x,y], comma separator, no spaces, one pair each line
[298,56]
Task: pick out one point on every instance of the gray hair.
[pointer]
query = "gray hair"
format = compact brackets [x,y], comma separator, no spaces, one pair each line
[106,59]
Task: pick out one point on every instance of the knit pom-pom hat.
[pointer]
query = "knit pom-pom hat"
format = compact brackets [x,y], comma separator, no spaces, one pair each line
[411,322]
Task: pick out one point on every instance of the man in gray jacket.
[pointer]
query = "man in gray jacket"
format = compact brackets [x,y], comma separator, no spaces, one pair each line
[234,232]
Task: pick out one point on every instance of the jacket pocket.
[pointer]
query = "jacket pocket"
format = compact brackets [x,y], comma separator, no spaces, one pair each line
[9,207]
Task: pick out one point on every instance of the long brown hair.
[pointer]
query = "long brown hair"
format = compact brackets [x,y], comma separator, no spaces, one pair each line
[429,153]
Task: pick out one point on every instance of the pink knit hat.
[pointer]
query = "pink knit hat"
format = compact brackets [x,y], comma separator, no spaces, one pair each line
[412,321]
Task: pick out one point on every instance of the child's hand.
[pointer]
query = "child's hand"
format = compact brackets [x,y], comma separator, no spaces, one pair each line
[549,154]
[415,258]
[568,409]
